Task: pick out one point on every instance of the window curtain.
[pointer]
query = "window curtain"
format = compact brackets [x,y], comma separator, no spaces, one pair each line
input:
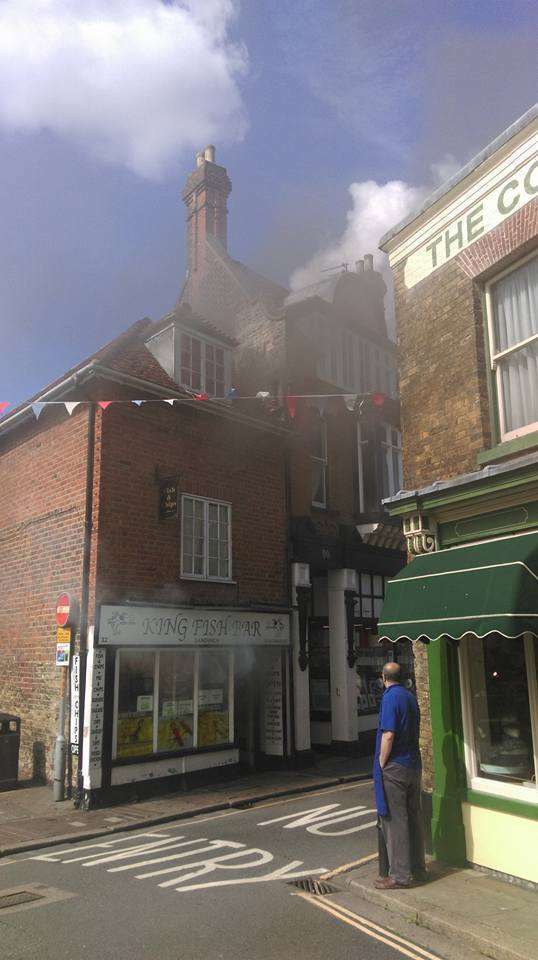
[515,306]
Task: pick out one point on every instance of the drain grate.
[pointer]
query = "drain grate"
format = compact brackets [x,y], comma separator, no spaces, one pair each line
[21,896]
[319,888]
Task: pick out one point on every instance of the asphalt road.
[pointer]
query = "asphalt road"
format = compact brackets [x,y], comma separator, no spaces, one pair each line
[213,887]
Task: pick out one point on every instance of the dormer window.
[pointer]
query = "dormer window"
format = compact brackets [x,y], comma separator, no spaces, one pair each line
[193,360]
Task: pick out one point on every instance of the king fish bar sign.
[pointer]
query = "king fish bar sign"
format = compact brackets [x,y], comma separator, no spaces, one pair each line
[200,627]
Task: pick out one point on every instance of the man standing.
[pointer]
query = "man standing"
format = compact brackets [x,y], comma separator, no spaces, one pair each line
[397,775]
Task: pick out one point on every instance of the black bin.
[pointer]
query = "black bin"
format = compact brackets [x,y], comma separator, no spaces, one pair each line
[10,740]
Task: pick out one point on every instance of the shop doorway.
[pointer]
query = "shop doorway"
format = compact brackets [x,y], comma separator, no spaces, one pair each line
[260,707]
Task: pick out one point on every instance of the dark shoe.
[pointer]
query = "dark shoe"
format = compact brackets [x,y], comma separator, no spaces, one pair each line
[422,876]
[387,883]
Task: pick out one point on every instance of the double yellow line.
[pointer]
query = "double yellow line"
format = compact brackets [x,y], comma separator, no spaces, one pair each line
[370,928]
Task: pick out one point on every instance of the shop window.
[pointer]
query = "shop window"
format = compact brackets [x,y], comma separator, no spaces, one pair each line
[169,701]
[371,594]
[206,539]
[134,724]
[391,461]
[176,700]
[214,698]
[512,306]
[318,456]
[499,683]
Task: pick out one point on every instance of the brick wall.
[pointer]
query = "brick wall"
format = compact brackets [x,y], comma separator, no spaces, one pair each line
[444,378]
[139,555]
[42,511]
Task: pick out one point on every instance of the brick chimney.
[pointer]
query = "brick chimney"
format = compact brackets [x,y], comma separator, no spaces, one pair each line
[205,195]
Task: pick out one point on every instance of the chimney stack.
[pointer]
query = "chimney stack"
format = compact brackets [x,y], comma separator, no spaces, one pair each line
[368,261]
[205,194]
[359,266]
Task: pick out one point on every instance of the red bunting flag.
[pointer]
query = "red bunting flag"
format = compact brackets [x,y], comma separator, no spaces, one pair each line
[104,403]
[378,399]
[201,396]
[3,405]
[291,404]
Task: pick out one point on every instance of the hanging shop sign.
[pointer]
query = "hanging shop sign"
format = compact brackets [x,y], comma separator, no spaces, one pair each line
[94,706]
[168,500]
[199,627]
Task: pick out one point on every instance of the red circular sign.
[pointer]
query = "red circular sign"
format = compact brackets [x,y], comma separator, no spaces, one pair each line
[63,609]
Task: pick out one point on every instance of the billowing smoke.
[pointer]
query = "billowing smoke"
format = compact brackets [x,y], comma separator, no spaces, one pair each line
[133,82]
[375,208]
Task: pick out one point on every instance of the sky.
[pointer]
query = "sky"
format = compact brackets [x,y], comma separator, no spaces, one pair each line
[334,119]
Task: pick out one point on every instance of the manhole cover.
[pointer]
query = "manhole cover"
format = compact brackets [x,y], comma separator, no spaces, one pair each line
[14,899]
[319,888]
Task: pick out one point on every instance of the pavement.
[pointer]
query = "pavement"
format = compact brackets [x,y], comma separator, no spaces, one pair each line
[493,917]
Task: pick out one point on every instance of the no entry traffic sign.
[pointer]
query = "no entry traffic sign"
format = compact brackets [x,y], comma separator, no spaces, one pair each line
[66,610]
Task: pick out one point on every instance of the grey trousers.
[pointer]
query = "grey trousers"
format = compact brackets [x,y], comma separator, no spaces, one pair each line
[402,829]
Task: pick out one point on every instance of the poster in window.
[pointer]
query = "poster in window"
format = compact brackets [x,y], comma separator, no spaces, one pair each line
[213,685]
[176,701]
[135,704]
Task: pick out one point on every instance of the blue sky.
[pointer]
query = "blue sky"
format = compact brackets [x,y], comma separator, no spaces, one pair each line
[315,106]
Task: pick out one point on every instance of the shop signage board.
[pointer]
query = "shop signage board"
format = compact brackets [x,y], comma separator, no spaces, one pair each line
[470,212]
[93,718]
[168,500]
[75,704]
[273,714]
[199,627]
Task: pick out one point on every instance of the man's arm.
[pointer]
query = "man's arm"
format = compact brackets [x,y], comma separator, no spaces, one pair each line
[387,739]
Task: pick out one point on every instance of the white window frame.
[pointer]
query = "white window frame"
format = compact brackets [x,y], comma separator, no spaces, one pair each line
[480,784]
[196,686]
[388,449]
[324,464]
[207,502]
[175,372]
[496,358]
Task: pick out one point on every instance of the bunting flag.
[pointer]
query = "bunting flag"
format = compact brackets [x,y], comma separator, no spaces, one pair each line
[294,403]
[38,409]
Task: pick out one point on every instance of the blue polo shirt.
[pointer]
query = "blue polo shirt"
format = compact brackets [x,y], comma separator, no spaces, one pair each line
[400,715]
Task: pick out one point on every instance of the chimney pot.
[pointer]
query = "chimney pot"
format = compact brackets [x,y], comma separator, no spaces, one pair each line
[359,266]
[209,153]
[368,261]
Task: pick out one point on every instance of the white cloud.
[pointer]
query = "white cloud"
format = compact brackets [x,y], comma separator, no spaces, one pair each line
[376,208]
[134,82]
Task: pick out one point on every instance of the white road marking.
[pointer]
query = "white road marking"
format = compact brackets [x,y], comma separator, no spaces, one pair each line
[131,851]
[213,844]
[318,821]
[102,844]
[215,863]
[284,873]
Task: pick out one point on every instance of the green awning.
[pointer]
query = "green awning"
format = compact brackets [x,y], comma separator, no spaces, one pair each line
[489,587]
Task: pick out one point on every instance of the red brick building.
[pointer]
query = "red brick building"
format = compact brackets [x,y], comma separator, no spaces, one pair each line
[168,522]
[326,341]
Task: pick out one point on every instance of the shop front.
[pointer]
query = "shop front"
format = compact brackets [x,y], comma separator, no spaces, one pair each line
[476,606]
[173,692]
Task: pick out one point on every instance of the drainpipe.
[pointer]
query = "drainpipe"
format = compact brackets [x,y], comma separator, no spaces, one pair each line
[85,594]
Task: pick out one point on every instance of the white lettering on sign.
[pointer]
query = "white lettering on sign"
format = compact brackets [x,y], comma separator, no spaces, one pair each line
[75,703]
[200,627]
[273,720]
[93,718]
[480,215]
